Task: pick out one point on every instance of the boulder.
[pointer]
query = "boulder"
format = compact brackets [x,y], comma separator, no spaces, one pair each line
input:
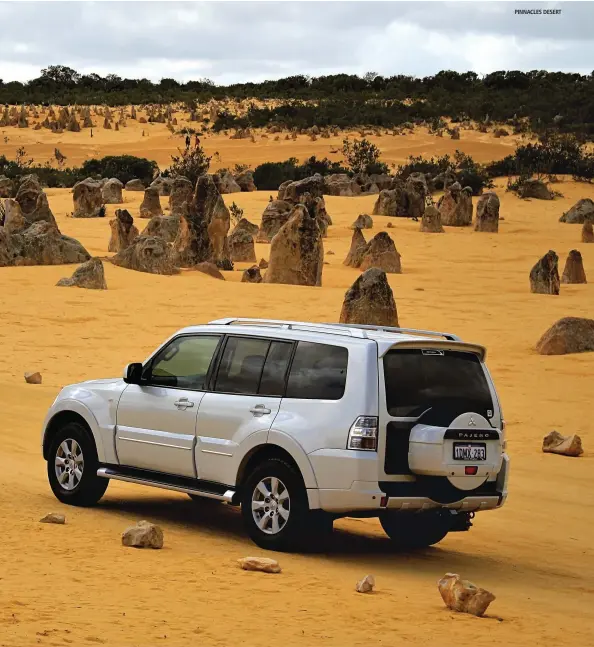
[574,268]
[544,276]
[274,217]
[226,183]
[245,180]
[252,275]
[370,301]
[123,231]
[143,535]
[461,595]
[151,205]
[581,212]
[555,443]
[134,185]
[263,264]
[211,269]
[162,184]
[203,230]
[33,378]
[487,213]
[6,187]
[366,584]
[33,201]
[392,202]
[112,192]
[416,194]
[341,184]
[241,246]
[317,209]
[281,190]
[166,227]
[535,189]
[246,225]
[431,220]
[381,252]
[89,275]
[455,206]
[88,199]
[147,254]
[297,251]
[263,564]
[53,517]
[313,185]
[364,221]
[181,193]
[566,336]
[13,218]
[40,244]
[587,233]
[358,247]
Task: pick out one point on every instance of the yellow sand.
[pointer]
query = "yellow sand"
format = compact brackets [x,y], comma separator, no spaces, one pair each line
[76,584]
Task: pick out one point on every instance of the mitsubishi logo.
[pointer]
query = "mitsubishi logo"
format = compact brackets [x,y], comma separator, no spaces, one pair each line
[471,422]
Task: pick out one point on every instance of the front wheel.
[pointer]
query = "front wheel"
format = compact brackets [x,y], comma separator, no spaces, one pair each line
[72,467]
[410,530]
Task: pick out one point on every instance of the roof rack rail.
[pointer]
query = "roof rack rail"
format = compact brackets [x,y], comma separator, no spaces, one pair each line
[346,329]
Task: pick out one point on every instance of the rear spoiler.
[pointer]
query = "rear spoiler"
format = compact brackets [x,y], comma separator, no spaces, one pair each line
[386,345]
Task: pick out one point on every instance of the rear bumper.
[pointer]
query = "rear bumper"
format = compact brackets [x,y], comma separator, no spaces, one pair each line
[468,504]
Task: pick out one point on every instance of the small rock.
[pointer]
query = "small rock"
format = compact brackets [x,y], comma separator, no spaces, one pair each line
[33,378]
[389,225]
[53,517]
[209,268]
[264,564]
[252,275]
[330,253]
[556,443]
[143,535]
[263,264]
[366,584]
[462,595]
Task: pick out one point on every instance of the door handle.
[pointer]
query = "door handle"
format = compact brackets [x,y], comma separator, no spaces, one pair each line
[184,403]
[260,410]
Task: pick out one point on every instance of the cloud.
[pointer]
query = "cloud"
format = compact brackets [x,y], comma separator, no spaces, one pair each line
[251,41]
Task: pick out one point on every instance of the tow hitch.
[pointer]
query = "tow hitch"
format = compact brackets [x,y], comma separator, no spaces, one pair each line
[461,521]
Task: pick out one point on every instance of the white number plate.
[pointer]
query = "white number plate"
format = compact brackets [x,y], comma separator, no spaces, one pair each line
[470,452]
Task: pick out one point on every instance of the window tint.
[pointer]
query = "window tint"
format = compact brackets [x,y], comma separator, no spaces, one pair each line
[318,372]
[275,369]
[184,362]
[416,380]
[241,365]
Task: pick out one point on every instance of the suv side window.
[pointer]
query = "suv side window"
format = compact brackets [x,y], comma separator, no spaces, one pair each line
[275,369]
[184,362]
[241,365]
[318,372]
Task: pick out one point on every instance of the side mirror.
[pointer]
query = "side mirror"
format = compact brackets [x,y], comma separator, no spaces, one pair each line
[133,373]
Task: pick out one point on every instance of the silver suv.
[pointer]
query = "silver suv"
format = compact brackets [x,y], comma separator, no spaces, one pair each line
[299,423]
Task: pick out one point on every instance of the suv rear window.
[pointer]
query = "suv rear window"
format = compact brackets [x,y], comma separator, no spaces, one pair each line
[318,372]
[417,379]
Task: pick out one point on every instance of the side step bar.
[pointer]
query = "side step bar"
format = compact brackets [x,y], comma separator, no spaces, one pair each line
[168,482]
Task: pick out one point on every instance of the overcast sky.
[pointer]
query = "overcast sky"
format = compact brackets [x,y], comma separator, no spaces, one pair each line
[253,41]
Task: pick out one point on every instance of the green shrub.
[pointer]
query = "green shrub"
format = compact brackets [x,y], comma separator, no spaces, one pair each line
[270,175]
[122,167]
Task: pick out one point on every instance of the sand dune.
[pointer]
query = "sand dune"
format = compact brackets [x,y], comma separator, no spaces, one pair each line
[77,584]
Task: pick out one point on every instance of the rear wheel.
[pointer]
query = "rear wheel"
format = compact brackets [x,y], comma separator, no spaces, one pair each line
[410,530]
[72,467]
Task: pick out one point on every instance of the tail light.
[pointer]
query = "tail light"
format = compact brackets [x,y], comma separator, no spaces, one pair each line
[363,434]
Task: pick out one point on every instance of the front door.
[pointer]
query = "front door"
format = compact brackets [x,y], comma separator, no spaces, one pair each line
[156,420]
[244,399]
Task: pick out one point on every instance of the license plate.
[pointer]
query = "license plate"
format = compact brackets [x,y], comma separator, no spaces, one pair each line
[470,452]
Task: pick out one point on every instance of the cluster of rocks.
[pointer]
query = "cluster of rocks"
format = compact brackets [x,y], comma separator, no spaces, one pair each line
[544,276]
[404,199]
[379,252]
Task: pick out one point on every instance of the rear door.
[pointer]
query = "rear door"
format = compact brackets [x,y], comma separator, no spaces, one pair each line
[244,398]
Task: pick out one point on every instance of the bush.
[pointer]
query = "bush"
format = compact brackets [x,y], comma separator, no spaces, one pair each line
[270,175]
[190,163]
[122,167]
[363,157]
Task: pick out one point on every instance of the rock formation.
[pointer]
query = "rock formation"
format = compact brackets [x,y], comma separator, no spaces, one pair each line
[566,336]
[274,217]
[112,192]
[252,275]
[89,275]
[211,269]
[162,184]
[147,254]
[263,264]
[245,180]
[88,200]
[248,226]
[392,202]
[203,230]
[151,205]
[143,535]
[226,183]
[487,213]
[123,231]
[241,245]
[455,206]
[544,276]
[381,252]
[292,191]
[14,221]
[358,247]
[341,184]
[581,212]
[166,227]
[134,185]
[370,301]
[296,251]
[535,189]
[588,233]
[574,268]
[556,443]
[6,187]
[461,595]
[181,194]
[316,208]
[431,220]
[33,201]
[364,221]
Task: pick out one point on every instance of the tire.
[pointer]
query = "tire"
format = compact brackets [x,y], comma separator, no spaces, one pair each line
[409,530]
[72,446]
[278,530]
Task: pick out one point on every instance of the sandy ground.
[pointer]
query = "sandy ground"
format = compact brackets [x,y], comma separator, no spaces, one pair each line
[76,584]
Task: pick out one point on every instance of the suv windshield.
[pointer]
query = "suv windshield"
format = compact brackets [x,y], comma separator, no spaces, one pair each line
[418,379]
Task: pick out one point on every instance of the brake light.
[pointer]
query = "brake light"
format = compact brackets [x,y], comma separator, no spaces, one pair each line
[471,470]
[363,434]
